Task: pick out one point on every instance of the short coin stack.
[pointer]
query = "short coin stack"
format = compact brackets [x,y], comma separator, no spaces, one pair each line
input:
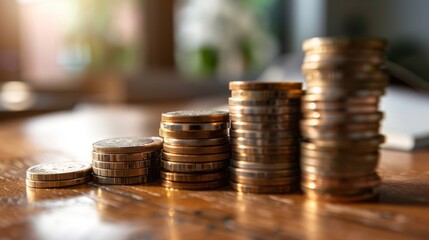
[128,160]
[196,149]
[58,174]
[341,118]
[265,136]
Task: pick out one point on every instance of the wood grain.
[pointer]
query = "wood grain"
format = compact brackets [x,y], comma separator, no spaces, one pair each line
[152,212]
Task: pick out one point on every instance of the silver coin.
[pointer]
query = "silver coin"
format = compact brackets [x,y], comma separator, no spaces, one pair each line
[128,145]
[126,157]
[193,116]
[58,171]
[194,126]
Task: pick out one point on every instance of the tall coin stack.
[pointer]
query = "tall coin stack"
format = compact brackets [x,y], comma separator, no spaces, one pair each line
[341,119]
[127,160]
[196,149]
[265,136]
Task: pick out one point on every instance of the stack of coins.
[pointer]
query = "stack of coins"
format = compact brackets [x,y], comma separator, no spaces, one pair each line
[341,119]
[265,136]
[128,160]
[196,149]
[59,174]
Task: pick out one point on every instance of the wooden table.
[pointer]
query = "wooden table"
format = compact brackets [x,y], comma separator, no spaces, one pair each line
[152,212]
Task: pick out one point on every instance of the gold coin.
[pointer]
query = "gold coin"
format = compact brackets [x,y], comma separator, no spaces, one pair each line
[266,126]
[59,171]
[246,149]
[340,92]
[56,183]
[264,118]
[196,142]
[194,177]
[120,180]
[194,186]
[338,161]
[343,76]
[347,67]
[349,146]
[363,195]
[124,165]
[339,135]
[251,134]
[197,150]
[345,100]
[128,145]
[324,183]
[249,188]
[264,95]
[272,110]
[324,44]
[370,126]
[339,106]
[263,174]
[194,167]
[195,116]
[213,126]
[242,85]
[266,158]
[265,166]
[278,142]
[336,117]
[121,172]
[188,158]
[250,102]
[336,172]
[347,84]
[126,157]
[194,134]
[376,59]
[261,182]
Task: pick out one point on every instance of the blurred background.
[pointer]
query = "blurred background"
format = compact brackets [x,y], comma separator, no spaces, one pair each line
[56,54]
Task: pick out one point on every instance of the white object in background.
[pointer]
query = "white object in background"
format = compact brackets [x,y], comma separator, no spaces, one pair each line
[405,123]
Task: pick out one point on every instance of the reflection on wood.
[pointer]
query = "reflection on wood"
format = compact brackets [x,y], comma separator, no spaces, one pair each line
[153,212]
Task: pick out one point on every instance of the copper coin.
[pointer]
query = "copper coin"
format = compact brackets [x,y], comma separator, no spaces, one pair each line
[246,149]
[121,172]
[193,134]
[250,102]
[194,177]
[120,180]
[196,142]
[249,188]
[263,174]
[248,85]
[272,110]
[193,167]
[264,118]
[265,95]
[194,185]
[251,134]
[266,126]
[188,158]
[273,141]
[265,166]
[266,158]
[197,150]
[124,165]
[360,44]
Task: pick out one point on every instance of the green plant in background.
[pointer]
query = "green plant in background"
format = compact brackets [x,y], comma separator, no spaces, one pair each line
[101,35]
[223,38]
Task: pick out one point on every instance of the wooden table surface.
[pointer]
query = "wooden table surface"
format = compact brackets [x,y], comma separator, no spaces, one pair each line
[152,212]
